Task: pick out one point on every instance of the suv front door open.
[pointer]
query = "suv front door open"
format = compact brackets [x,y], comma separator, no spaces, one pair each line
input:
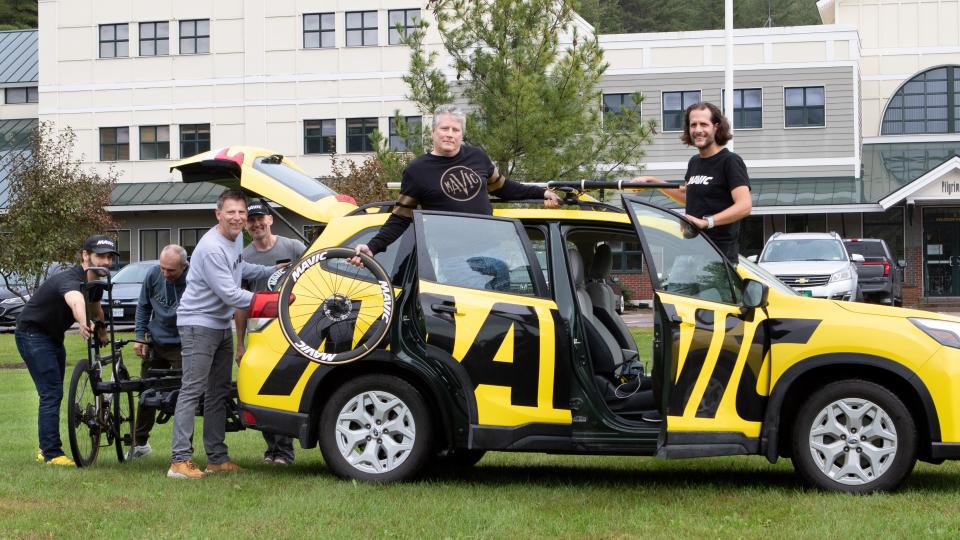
[711,358]
[485,304]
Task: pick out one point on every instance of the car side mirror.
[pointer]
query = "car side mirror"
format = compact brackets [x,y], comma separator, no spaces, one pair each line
[754,294]
[753,258]
[902,263]
[856,257]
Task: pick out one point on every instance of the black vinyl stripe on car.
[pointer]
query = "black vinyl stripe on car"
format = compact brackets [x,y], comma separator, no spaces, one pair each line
[792,330]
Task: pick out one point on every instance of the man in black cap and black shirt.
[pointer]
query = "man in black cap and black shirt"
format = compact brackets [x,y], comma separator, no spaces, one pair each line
[51,310]
[451,177]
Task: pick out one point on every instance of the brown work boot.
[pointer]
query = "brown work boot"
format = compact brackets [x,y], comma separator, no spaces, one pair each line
[226,466]
[185,469]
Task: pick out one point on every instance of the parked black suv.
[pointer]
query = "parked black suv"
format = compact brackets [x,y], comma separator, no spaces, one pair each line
[881,276]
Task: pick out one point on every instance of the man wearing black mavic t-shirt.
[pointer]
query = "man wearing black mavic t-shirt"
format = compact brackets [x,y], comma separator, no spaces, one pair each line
[717,189]
[453,178]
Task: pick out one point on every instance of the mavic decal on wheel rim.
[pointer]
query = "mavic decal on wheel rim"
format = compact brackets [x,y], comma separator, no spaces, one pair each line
[341,312]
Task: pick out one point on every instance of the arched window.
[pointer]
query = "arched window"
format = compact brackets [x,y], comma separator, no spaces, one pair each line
[927,103]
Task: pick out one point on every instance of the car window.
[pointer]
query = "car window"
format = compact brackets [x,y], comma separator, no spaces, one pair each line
[133,273]
[686,263]
[477,253]
[539,243]
[767,277]
[803,249]
[867,249]
[307,186]
[387,258]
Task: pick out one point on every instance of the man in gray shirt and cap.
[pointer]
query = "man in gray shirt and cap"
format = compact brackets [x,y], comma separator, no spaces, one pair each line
[267,249]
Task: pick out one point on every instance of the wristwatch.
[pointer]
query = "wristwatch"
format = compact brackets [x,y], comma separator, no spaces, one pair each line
[709,221]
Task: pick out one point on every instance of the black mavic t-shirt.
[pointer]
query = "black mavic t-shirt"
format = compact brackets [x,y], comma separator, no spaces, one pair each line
[47,311]
[457,183]
[710,182]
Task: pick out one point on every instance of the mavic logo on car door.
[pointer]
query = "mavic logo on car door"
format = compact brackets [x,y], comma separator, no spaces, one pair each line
[509,352]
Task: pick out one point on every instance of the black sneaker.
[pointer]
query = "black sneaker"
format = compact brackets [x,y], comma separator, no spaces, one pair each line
[652,416]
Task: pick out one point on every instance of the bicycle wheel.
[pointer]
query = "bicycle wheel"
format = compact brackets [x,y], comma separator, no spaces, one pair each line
[83,416]
[124,413]
[124,424]
[332,312]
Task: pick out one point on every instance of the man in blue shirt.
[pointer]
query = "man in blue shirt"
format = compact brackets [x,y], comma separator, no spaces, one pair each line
[157,316]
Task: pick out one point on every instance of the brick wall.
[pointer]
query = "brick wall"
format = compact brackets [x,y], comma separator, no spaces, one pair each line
[913,276]
[638,285]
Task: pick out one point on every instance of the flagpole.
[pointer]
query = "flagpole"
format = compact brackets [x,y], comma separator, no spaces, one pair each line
[728,68]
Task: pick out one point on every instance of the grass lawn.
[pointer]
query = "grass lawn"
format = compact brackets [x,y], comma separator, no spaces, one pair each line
[504,496]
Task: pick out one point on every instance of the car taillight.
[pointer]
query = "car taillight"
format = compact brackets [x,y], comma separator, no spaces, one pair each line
[264,304]
[886,268]
[347,199]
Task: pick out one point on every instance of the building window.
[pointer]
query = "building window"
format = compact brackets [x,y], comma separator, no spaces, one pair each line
[803,223]
[674,103]
[319,136]
[888,226]
[361,28]
[114,41]
[152,241]
[318,31]
[154,38]
[927,103]
[154,142]
[627,256]
[25,94]
[747,108]
[194,138]
[414,127]
[358,134]
[804,106]
[614,104]
[195,36]
[114,144]
[190,237]
[122,238]
[407,19]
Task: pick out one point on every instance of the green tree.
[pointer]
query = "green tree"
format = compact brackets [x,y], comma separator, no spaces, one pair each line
[18,14]
[54,205]
[619,16]
[533,100]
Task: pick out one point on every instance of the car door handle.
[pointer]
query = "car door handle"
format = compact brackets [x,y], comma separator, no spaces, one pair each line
[445,308]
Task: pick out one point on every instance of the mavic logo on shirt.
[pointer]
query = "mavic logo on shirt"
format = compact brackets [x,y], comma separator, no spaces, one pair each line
[461,183]
[700,179]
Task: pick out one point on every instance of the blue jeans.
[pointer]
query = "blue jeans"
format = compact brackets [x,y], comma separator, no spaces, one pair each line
[207,368]
[46,360]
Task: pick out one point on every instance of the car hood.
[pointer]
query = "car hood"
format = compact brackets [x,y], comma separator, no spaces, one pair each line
[266,174]
[890,311]
[794,268]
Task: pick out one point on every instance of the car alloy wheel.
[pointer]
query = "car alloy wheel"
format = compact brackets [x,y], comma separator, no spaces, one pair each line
[854,436]
[377,428]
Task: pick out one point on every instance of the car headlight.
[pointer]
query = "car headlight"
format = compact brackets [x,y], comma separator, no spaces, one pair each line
[945,332]
[841,275]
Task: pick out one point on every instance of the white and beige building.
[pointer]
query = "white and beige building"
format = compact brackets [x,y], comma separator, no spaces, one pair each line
[143,84]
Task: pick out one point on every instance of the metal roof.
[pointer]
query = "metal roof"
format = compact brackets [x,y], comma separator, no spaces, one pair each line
[164,193]
[19,61]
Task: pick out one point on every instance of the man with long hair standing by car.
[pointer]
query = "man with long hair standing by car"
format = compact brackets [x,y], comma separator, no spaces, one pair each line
[716,192]
[51,310]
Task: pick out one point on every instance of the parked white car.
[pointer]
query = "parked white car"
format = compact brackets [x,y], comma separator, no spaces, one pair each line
[814,264]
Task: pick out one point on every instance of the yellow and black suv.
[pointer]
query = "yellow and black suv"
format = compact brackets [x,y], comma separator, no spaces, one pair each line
[475,333]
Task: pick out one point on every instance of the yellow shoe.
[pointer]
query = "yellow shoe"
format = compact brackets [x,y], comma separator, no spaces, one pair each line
[63,461]
[40,456]
[184,469]
[227,466]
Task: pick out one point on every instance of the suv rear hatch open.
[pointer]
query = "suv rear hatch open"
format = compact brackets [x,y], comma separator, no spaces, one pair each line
[269,175]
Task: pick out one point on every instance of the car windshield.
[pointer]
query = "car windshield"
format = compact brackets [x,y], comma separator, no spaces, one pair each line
[766,277]
[133,273]
[803,249]
[307,186]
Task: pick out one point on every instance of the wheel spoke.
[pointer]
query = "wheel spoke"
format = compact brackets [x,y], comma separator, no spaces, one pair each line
[829,452]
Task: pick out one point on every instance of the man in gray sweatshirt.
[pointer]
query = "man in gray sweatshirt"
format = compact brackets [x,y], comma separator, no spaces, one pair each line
[157,317]
[204,318]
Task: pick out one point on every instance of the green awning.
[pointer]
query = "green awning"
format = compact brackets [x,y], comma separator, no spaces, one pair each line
[163,194]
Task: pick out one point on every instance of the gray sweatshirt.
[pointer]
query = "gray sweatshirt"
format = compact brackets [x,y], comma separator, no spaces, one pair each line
[213,283]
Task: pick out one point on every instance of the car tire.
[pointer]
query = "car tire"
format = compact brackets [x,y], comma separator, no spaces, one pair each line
[825,437]
[621,304]
[376,428]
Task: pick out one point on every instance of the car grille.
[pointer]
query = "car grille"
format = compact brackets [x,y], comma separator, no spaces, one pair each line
[804,281]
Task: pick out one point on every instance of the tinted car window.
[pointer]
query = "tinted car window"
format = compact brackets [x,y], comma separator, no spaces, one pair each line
[867,249]
[307,186]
